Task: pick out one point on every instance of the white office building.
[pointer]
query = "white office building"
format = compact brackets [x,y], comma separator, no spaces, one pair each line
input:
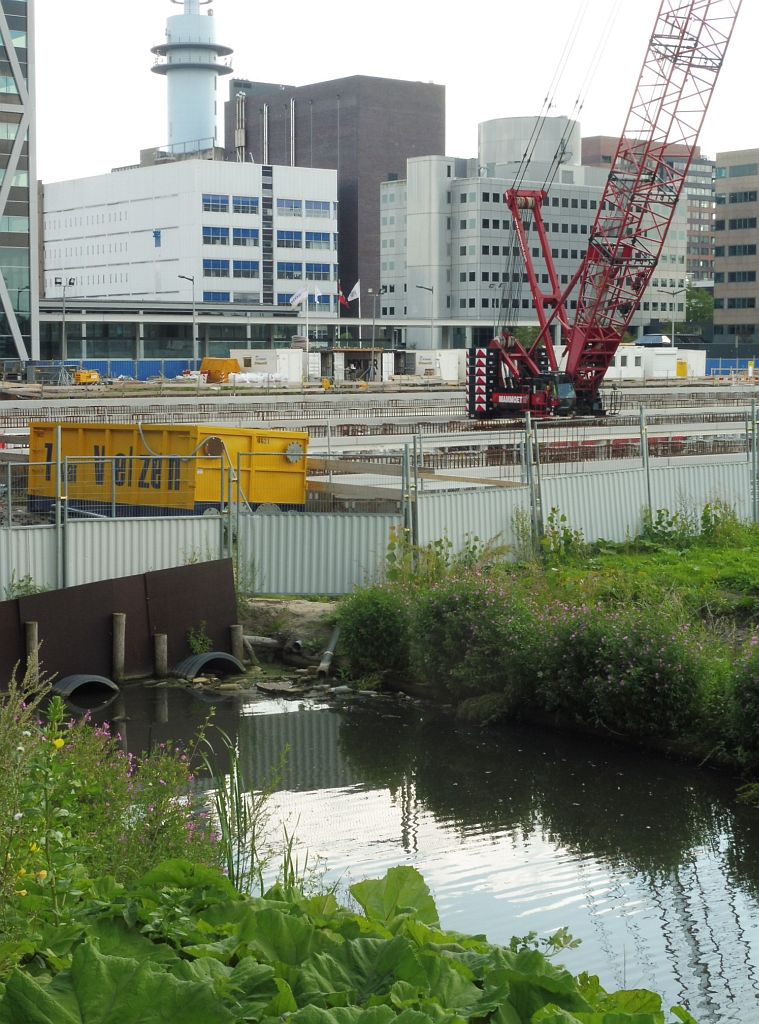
[449,251]
[227,232]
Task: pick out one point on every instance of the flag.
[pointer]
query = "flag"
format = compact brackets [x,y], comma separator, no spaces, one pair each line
[355,292]
[340,297]
[317,294]
[299,298]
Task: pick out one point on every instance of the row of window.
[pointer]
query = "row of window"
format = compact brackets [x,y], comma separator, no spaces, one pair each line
[736,224]
[736,197]
[738,171]
[220,236]
[735,276]
[314,271]
[314,239]
[240,268]
[215,203]
[737,302]
[283,299]
[748,249]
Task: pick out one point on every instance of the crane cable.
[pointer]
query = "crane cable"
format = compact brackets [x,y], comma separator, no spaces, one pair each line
[511,289]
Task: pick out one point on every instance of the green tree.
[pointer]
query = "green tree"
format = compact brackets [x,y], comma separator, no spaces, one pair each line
[700,306]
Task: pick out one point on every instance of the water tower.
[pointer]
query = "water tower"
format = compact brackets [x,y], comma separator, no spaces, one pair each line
[192,65]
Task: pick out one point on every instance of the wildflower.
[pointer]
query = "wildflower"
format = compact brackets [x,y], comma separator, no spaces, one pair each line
[20,892]
[34,848]
[21,872]
[58,742]
[42,875]
[18,816]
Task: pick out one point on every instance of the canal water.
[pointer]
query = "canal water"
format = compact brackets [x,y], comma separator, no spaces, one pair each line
[653,865]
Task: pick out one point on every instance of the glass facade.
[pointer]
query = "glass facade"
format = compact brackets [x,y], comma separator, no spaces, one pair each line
[18,244]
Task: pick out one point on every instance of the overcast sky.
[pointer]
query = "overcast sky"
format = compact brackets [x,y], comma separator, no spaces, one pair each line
[98,103]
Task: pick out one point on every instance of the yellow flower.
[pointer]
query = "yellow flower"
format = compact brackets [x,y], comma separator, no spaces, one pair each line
[20,873]
[42,875]
[58,743]
[20,892]
[34,848]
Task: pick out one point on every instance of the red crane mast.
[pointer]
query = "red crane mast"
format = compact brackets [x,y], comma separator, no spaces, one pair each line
[684,58]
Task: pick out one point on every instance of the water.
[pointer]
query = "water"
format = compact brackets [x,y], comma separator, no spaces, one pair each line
[651,864]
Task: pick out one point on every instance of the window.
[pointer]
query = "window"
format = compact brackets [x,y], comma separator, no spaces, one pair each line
[244,204]
[215,204]
[317,272]
[215,236]
[245,268]
[290,207]
[317,208]
[216,268]
[290,271]
[215,296]
[289,239]
[741,223]
[244,236]
[740,250]
[317,239]
[8,84]
[742,302]
[485,250]
[737,276]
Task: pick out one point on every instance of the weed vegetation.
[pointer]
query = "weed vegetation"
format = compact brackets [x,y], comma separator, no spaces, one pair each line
[124,899]
[653,640]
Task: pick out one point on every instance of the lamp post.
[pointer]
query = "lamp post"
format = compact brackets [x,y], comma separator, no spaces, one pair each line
[431,289]
[674,292]
[64,282]
[191,279]
[375,296]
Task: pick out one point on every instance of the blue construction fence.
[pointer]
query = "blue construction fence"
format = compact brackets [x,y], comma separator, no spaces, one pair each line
[728,367]
[126,369]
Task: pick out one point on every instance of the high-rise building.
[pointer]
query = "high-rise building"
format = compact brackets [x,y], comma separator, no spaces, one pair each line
[19,336]
[736,264]
[449,250]
[698,198]
[364,128]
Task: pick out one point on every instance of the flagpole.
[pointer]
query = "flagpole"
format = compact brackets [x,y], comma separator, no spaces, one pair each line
[360,330]
[307,373]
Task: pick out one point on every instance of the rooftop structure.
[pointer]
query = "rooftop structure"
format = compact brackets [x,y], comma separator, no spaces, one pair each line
[190,61]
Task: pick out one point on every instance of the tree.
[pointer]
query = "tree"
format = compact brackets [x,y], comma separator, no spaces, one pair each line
[699,305]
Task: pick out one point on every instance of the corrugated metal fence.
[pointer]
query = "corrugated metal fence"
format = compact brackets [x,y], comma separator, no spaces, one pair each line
[331,553]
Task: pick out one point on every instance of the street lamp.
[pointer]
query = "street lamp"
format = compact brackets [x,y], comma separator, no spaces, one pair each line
[191,279]
[674,292]
[375,296]
[431,289]
[64,282]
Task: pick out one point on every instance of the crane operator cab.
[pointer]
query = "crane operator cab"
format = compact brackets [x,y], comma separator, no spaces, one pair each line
[559,391]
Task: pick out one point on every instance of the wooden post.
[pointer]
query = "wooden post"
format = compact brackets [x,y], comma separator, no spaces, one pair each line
[238,647]
[32,652]
[161,655]
[119,646]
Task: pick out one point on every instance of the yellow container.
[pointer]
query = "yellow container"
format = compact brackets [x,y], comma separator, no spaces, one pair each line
[172,467]
[217,371]
[682,368]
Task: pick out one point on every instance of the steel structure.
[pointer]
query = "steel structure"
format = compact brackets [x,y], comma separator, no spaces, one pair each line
[684,57]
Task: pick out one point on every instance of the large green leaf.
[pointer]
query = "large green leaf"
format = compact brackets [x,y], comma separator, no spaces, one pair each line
[343,1015]
[181,874]
[276,937]
[358,970]
[114,938]
[110,990]
[401,890]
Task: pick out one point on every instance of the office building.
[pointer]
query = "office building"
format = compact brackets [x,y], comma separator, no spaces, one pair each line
[364,128]
[209,232]
[736,264]
[18,193]
[449,252]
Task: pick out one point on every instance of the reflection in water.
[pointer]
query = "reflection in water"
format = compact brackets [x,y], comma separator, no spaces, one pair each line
[651,864]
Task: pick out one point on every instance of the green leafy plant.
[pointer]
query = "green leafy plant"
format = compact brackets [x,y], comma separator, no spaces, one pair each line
[559,540]
[22,586]
[198,639]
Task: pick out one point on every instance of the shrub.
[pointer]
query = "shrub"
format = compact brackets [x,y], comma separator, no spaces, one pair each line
[375,629]
[636,671]
[472,635]
[746,702]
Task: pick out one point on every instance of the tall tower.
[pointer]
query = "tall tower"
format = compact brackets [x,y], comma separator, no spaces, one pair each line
[19,326]
[192,67]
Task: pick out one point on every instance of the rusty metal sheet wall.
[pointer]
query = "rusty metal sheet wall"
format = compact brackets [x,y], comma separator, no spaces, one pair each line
[191,597]
[76,624]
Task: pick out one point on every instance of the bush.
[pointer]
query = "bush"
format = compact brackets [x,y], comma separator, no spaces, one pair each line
[472,635]
[746,702]
[636,671]
[375,628]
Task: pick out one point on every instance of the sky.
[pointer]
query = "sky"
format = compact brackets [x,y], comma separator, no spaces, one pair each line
[98,103]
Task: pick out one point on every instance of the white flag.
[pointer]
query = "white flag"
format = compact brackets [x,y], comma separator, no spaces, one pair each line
[355,292]
[299,298]
[317,293]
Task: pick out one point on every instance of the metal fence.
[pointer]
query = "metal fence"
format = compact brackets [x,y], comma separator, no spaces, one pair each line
[323,526]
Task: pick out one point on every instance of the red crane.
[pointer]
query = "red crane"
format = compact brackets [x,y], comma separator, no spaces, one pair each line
[684,58]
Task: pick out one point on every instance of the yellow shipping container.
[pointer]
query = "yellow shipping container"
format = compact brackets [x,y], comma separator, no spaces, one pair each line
[149,467]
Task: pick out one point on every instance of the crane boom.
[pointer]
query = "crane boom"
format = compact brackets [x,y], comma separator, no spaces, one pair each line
[683,61]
